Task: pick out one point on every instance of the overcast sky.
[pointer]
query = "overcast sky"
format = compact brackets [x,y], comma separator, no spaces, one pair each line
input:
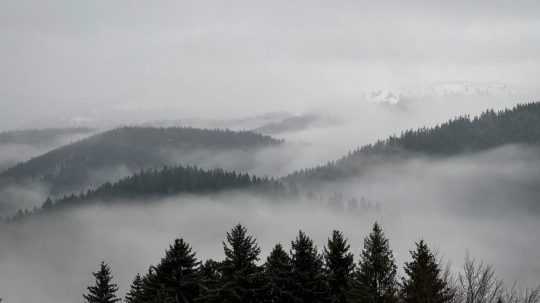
[65,60]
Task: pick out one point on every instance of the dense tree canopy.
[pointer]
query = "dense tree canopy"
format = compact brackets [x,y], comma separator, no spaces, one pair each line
[70,167]
[304,275]
[159,183]
[519,125]
[278,272]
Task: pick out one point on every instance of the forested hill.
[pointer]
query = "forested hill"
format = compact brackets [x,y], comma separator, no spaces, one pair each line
[519,125]
[167,181]
[97,159]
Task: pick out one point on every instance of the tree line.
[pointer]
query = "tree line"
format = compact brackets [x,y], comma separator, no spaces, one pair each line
[306,275]
[68,168]
[155,183]
[519,125]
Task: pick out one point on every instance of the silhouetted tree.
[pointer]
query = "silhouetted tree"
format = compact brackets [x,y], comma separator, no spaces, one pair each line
[278,271]
[176,276]
[339,265]
[241,280]
[134,295]
[209,276]
[424,281]
[478,283]
[307,271]
[375,279]
[304,275]
[104,290]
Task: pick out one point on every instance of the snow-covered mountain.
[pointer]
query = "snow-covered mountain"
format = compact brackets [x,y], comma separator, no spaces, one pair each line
[441,90]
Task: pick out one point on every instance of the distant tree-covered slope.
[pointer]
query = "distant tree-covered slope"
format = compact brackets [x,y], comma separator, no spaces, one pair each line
[22,145]
[123,151]
[155,183]
[519,125]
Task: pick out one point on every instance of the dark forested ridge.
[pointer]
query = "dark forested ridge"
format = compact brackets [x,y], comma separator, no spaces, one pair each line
[156,183]
[519,125]
[68,168]
[307,275]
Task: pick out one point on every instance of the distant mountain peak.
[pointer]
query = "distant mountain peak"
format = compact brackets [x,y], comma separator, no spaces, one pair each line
[440,90]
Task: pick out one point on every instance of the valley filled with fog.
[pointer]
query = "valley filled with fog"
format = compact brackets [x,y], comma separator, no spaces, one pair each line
[461,205]
[130,130]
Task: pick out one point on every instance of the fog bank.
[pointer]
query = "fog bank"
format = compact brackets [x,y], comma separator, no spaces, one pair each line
[459,205]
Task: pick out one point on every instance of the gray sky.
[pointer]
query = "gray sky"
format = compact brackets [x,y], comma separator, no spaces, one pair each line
[65,60]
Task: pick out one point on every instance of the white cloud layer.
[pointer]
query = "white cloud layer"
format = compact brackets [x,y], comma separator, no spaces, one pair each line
[133,60]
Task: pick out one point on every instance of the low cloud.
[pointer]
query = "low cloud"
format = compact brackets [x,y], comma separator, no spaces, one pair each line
[458,205]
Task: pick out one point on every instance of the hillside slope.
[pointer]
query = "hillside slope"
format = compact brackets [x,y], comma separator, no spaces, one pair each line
[120,152]
[519,125]
[152,184]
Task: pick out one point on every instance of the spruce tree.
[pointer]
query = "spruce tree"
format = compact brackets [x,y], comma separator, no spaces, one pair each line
[176,277]
[210,275]
[339,265]
[241,278]
[104,290]
[151,285]
[134,295]
[241,252]
[424,282]
[375,279]
[307,271]
[278,272]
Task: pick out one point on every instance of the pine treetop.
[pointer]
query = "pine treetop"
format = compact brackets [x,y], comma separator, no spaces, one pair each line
[241,249]
[104,291]
[136,289]
[424,281]
[376,274]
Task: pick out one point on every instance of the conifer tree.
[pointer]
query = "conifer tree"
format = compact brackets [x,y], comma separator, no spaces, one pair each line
[307,271]
[424,282]
[104,290]
[210,274]
[151,285]
[278,271]
[176,276]
[375,279]
[241,252]
[134,295]
[339,265]
[241,280]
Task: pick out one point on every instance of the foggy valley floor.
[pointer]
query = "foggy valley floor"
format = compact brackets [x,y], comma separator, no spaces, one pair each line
[126,126]
[441,201]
